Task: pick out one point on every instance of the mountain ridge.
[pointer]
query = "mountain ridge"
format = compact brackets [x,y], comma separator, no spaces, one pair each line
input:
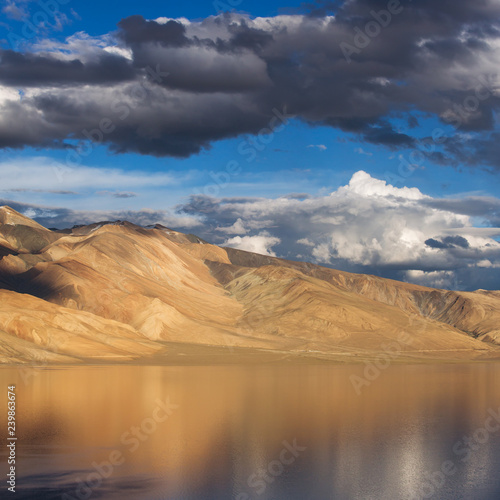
[156,287]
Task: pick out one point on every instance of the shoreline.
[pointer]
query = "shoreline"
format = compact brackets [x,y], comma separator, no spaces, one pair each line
[178,354]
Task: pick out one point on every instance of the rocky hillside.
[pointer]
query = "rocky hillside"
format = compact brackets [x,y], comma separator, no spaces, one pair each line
[117,291]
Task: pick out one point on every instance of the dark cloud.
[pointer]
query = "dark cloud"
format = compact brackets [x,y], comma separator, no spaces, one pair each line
[188,85]
[297,196]
[487,151]
[50,191]
[486,209]
[124,195]
[31,70]
[120,194]
[246,37]
[448,242]
[387,136]
[412,121]
[445,12]
[135,30]
[431,242]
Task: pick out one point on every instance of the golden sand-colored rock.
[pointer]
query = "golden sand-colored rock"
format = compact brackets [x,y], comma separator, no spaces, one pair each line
[33,329]
[119,291]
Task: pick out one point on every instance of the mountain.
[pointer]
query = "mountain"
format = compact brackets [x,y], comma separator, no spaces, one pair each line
[118,291]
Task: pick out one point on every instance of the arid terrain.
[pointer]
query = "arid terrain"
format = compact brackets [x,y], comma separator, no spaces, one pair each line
[115,291]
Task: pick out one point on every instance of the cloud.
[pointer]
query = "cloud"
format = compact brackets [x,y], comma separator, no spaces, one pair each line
[448,242]
[297,196]
[361,151]
[173,87]
[34,70]
[114,194]
[367,226]
[39,17]
[487,264]
[58,217]
[42,174]
[237,228]
[135,31]
[48,191]
[14,10]
[321,147]
[305,241]
[124,194]
[261,243]
[434,279]
[383,133]
[485,209]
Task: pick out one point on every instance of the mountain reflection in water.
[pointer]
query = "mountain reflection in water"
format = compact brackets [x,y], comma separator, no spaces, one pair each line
[282,432]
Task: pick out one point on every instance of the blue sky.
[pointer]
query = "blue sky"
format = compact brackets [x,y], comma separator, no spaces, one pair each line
[102,17]
[317,152]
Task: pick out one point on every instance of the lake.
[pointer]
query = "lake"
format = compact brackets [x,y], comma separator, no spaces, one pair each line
[269,432]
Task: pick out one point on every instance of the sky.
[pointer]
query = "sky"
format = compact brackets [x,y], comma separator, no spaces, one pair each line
[361,134]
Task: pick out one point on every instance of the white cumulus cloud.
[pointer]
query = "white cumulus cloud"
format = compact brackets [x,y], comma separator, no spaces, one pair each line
[261,243]
[368,226]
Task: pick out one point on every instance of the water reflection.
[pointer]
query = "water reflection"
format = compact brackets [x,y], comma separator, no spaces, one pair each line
[256,432]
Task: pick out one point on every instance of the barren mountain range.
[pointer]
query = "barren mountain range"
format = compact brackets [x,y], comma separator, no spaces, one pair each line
[115,291]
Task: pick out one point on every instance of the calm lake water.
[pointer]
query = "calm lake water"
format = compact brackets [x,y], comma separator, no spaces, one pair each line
[256,432]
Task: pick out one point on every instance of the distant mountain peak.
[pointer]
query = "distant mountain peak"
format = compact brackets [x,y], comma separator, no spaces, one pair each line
[11,217]
[119,290]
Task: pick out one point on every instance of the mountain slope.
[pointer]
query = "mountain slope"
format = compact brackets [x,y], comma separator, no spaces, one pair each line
[125,291]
